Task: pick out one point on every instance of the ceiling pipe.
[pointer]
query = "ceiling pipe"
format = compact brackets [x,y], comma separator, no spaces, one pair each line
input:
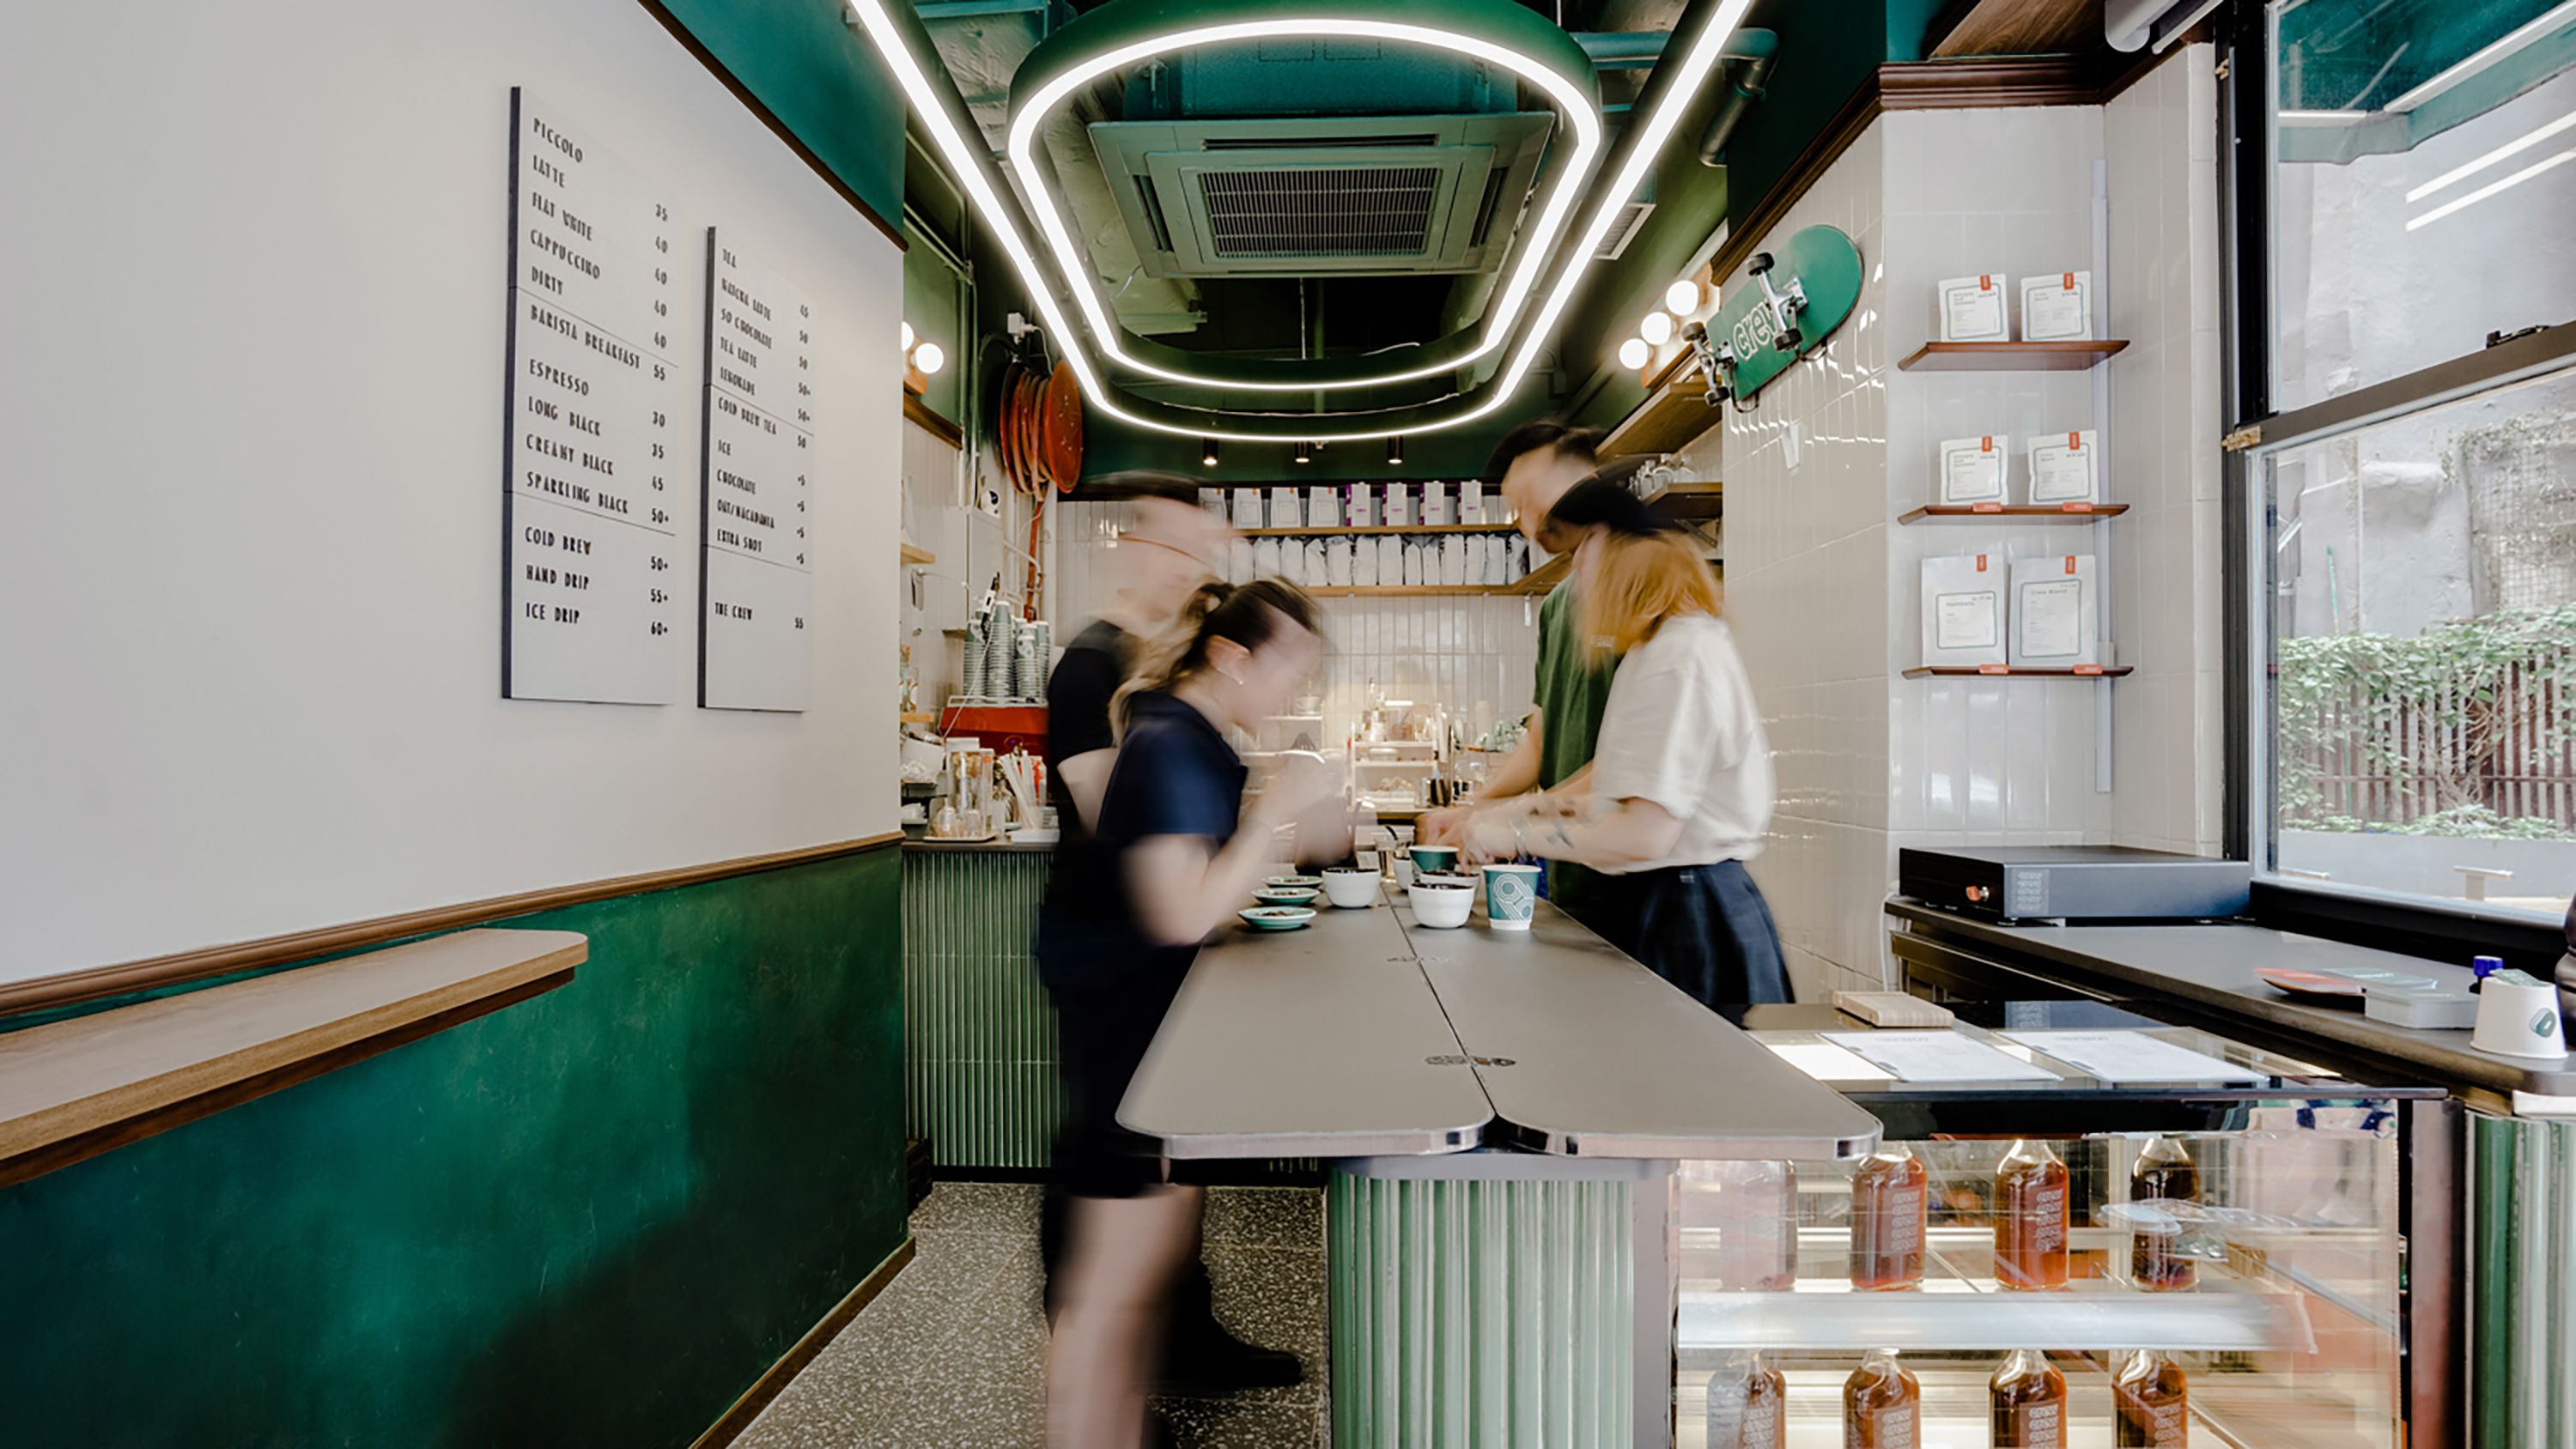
[1747,66]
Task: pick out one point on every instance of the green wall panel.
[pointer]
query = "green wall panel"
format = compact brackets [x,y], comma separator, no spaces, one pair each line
[593,1218]
[820,78]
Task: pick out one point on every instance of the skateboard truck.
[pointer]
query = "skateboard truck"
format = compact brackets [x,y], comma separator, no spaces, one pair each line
[1784,305]
[1717,363]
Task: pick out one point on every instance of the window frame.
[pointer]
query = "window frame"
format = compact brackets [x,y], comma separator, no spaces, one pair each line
[2254,435]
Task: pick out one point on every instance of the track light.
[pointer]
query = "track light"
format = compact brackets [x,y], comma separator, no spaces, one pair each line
[1634,353]
[1395,449]
[929,358]
[1657,329]
[1207,452]
[1305,452]
[1682,297]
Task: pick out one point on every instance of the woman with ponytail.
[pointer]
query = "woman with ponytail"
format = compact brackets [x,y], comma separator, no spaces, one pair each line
[1187,853]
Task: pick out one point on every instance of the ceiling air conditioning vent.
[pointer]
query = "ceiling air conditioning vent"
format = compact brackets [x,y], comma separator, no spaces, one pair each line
[1286,196]
[1327,212]
[1631,220]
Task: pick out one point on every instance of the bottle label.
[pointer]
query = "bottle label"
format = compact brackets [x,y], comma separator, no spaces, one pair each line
[1892,1428]
[2046,1219]
[2040,1426]
[1901,1230]
[1761,1426]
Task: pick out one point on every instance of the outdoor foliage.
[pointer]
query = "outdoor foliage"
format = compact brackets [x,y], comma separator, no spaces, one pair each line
[2440,717]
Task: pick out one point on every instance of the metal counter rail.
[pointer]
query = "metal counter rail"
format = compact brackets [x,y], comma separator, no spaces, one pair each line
[1325,1042]
[1585,1053]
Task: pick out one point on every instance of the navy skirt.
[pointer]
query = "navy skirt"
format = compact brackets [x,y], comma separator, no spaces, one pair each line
[1706,929]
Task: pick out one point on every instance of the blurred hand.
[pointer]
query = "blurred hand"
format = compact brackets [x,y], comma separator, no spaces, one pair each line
[1443,826]
[1488,839]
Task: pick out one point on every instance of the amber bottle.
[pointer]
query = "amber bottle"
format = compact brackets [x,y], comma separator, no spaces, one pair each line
[2164,1173]
[2030,1218]
[1748,1403]
[2029,1400]
[2150,1403]
[1882,1405]
[1887,1215]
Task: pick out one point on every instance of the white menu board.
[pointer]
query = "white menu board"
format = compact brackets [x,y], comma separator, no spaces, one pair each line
[754,648]
[590,480]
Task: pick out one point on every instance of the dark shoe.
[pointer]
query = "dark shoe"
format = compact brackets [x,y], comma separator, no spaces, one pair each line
[1209,1360]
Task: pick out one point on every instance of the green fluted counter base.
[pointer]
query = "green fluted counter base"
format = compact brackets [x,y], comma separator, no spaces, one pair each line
[2522,1257]
[1493,1301]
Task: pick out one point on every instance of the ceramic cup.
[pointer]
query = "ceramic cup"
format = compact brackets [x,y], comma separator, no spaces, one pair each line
[1511,896]
[1435,859]
[1442,905]
[1351,889]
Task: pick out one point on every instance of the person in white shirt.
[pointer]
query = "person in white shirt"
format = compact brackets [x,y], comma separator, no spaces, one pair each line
[1680,789]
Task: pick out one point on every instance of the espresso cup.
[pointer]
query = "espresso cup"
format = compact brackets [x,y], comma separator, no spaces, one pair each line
[1435,859]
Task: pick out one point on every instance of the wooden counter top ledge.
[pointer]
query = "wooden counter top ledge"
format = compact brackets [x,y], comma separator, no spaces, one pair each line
[70,1090]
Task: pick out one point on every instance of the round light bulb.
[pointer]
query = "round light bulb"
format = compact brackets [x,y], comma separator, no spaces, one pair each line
[1682,297]
[1634,353]
[929,358]
[1657,329]
[907,337]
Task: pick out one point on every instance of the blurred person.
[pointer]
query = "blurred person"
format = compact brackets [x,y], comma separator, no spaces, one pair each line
[1167,547]
[1535,465]
[1680,789]
[1183,852]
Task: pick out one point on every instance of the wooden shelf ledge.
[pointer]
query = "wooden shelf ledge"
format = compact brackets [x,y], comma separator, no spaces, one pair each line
[70,1090]
[1424,591]
[2071,356]
[1972,671]
[912,554]
[1694,501]
[2020,512]
[1401,528]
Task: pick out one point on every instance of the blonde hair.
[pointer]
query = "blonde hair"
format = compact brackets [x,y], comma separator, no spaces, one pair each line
[1640,581]
[1246,614]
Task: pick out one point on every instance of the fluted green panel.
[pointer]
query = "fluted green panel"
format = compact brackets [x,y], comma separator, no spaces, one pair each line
[1481,1315]
[2522,1372]
[979,1036]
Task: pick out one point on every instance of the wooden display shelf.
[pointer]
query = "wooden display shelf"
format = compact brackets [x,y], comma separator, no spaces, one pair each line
[2073,355]
[1377,528]
[1670,417]
[918,716]
[2027,512]
[1987,671]
[1689,501]
[70,1090]
[1430,591]
[914,555]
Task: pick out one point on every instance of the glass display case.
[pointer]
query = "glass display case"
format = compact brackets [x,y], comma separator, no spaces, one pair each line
[2057,1261]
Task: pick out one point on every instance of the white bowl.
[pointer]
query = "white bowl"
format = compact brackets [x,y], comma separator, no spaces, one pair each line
[1351,889]
[1442,907]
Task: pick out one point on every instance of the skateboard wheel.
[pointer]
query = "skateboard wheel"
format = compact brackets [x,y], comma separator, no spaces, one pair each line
[1760,263]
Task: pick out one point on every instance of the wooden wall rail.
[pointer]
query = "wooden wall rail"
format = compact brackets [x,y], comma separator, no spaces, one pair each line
[153,972]
[70,1090]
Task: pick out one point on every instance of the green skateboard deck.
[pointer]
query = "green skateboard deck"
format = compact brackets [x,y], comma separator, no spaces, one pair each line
[1789,302]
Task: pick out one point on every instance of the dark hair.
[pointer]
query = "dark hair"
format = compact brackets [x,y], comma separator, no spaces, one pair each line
[1140,483]
[1582,444]
[1246,614]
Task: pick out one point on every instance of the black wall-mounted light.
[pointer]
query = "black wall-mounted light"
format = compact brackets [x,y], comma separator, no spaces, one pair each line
[1305,452]
[1207,452]
[1395,449]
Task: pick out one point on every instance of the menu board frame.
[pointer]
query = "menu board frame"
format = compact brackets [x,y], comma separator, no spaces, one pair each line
[756,462]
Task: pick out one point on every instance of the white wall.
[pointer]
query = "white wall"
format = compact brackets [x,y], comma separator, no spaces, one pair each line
[251,388]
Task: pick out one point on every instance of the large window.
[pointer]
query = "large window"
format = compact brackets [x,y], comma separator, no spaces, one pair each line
[2414,532]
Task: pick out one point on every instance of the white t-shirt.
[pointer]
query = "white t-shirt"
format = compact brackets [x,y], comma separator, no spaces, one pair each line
[1681,731]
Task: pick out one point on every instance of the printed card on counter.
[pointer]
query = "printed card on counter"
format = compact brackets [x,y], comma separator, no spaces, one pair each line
[2053,613]
[1973,309]
[1963,611]
[1973,469]
[1938,1056]
[2131,1056]
[2057,307]
[2065,468]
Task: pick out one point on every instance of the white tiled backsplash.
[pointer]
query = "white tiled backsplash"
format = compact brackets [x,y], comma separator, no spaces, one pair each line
[1822,584]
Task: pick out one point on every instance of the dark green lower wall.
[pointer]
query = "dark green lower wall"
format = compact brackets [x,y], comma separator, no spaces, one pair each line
[593,1218]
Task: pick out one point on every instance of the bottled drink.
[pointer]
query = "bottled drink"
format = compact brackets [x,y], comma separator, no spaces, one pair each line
[1758,1226]
[2150,1403]
[1882,1405]
[2030,1218]
[2029,1400]
[2164,1173]
[1748,1405]
[1887,1212]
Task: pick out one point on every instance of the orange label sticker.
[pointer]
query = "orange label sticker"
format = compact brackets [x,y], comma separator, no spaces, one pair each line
[2070,563]
[1993,669]
[2088,668]
[2069,283]
[1981,563]
[2078,506]
[1985,284]
[2075,442]
[1986,443]
[1986,507]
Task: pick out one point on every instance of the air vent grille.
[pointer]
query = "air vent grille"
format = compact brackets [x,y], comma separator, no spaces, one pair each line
[1355,211]
[1631,220]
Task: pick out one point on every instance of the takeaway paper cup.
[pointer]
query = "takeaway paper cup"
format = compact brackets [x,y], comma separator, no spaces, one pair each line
[1511,896]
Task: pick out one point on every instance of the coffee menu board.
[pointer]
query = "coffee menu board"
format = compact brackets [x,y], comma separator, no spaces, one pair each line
[591,552]
[754,648]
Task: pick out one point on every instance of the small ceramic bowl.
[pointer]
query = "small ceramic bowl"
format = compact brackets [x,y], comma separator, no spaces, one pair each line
[1275,918]
[1351,889]
[1285,895]
[1440,904]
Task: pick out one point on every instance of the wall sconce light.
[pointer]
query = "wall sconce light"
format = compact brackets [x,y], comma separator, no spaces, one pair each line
[1634,353]
[928,358]
[1682,297]
[1657,329]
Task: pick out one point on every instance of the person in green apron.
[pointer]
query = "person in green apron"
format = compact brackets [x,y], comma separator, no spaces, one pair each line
[1533,467]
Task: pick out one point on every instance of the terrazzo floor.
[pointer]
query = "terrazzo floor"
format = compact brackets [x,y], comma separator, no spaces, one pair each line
[953,1354]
